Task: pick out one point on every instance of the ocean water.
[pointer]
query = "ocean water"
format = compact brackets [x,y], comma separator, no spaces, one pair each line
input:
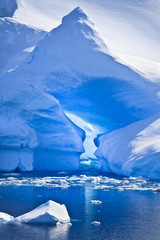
[130,207]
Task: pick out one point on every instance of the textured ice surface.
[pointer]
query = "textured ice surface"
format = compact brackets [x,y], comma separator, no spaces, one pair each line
[47,213]
[5,218]
[7,8]
[16,41]
[133,150]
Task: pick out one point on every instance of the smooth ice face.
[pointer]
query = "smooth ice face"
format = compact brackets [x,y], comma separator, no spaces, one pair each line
[47,213]
[133,150]
[4,217]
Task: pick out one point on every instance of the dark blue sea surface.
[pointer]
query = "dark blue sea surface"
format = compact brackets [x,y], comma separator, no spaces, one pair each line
[130,208]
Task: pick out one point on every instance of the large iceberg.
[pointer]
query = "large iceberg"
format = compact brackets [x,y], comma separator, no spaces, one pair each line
[133,150]
[73,63]
[70,67]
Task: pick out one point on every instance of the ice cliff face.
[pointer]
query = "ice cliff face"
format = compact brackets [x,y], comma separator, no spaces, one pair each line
[133,150]
[36,134]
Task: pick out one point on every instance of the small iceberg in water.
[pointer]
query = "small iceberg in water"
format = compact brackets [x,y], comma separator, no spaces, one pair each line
[95,201]
[4,217]
[48,213]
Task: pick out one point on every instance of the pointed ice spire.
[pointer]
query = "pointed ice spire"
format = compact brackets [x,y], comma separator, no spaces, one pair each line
[76,15]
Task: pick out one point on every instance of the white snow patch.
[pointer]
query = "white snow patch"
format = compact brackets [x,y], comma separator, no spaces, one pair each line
[29,49]
[5,218]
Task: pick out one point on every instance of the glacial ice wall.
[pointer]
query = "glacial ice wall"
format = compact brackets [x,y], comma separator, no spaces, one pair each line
[35,134]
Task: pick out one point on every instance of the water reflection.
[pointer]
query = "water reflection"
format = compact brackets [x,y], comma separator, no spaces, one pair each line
[59,232]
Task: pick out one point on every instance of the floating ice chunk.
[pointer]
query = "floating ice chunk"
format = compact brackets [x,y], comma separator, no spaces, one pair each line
[47,213]
[59,224]
[156,190]
[95,201]
[4,217]
[95,223]
[120,189]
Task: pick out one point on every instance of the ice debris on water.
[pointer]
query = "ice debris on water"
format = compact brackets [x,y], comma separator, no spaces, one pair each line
[95,201]
[95,182]
[95,223]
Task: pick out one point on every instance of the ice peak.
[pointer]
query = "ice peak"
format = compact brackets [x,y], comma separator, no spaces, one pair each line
[75,15]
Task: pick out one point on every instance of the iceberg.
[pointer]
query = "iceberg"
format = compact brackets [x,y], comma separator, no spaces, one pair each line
[72,71]
[133,150]
[5,218]
[47,213]
[73,63]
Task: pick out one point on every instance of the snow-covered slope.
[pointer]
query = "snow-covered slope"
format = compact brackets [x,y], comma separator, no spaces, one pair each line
[130,28]
[133,150]
[16,42]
